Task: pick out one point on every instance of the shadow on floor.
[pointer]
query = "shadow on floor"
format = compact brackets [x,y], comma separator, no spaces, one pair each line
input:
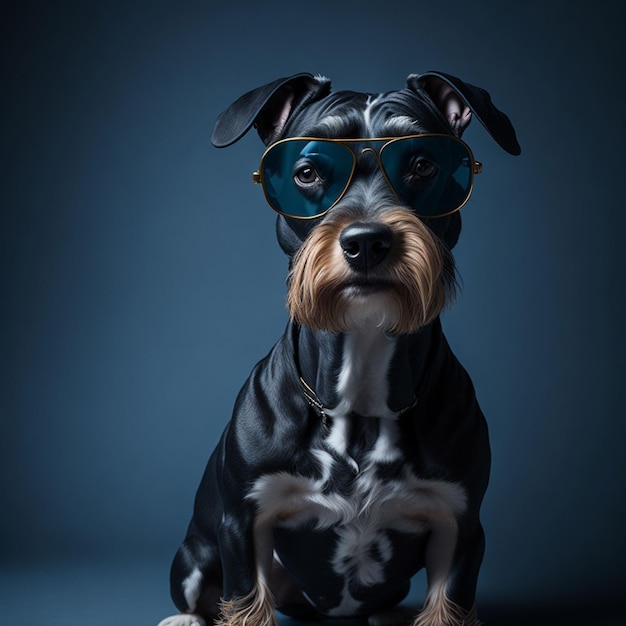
[520,615]
[552,616]
[134,592]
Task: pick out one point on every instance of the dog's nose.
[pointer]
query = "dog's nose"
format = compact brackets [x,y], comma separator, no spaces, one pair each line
[365,244]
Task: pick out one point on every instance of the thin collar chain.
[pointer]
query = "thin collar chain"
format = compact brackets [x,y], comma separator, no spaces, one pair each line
[315,403]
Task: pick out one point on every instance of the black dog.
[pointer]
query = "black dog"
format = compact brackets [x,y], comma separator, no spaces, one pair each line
[357,453]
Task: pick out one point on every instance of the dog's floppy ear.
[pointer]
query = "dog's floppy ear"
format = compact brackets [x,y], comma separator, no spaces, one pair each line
[268,108]
[458,100]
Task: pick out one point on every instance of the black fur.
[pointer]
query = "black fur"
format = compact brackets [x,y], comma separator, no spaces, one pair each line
[278,423]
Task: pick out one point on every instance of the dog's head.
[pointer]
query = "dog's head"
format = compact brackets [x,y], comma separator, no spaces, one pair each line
[368,189]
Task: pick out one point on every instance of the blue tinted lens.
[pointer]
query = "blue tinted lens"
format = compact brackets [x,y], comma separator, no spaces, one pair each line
[432,174]
[305,177]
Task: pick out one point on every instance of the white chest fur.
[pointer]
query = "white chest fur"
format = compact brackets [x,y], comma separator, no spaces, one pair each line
[363,385]
[362,517]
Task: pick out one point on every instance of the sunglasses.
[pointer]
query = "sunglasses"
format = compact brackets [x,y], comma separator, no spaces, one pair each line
[304,177]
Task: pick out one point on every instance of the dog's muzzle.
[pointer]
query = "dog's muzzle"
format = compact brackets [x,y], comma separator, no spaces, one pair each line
[388,272]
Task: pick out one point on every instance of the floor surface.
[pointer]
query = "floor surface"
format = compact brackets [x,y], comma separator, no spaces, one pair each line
[103,592]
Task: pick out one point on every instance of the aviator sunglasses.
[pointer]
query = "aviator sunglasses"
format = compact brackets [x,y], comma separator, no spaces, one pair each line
[304,177]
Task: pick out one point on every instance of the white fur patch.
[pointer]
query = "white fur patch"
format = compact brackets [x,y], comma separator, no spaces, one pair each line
[362,384]
[191,588]
[386,450]
[372,313]
[292,501]
[184,619]
[367,114]
[334,125]
[407,504]
[400,125]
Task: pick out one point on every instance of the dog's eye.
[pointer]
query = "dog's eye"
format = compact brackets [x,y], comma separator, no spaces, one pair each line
[306,176]
[421,167]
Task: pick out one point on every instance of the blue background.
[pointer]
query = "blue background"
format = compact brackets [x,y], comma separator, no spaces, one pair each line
[140,281]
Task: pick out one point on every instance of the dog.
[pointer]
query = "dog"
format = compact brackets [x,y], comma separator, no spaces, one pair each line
[357,453]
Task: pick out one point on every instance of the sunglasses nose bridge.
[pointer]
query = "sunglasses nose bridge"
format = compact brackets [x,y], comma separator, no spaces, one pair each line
[366,163]
[376,153]
[368,149]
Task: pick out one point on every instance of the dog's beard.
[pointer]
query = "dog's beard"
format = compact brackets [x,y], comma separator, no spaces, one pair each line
[405,292]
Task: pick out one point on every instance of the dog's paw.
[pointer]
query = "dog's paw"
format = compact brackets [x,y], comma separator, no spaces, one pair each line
[397,616]
[183,619]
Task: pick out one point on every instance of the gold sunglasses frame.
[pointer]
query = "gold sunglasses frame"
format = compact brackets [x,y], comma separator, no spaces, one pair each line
[258,178]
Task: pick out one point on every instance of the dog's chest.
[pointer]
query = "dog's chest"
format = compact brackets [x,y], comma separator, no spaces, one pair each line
[356,517]
[362,382]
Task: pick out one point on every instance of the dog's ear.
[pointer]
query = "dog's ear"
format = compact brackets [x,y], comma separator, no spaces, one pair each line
[268,108]
[458,100]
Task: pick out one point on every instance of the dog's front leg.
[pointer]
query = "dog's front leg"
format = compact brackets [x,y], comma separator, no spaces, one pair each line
[453,558]
[246,547]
